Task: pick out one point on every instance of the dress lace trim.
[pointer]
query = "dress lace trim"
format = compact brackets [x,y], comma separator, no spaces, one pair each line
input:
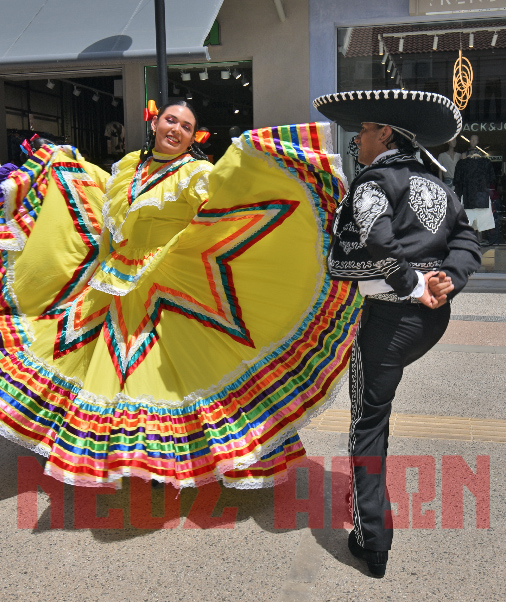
[10,191]
[10,279]
[116,230]
[110,289]
[38,448]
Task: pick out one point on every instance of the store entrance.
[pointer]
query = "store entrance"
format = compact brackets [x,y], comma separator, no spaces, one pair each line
[221,93]
[85,111]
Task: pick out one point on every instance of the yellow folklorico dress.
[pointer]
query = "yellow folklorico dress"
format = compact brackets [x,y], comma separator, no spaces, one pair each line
[181,326]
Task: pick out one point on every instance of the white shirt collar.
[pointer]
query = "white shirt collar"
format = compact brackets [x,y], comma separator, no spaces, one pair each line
[393,151]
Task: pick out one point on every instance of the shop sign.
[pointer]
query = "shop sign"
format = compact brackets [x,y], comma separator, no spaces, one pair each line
[484,126]
[441,7]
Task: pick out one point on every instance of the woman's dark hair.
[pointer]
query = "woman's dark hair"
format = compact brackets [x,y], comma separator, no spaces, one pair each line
[401,142]
[195,150]
[36,142]
[39,142]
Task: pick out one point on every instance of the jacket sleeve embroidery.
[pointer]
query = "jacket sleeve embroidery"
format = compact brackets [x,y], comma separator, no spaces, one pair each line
[428,201]
[369,202]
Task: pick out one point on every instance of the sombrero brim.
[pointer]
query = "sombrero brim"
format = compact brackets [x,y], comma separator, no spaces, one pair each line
[432,118]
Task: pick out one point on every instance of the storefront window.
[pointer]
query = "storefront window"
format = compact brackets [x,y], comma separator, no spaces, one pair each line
[422,57]
[221,93]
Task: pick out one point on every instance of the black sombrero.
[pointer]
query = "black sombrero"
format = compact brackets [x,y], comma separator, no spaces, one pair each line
[428,119]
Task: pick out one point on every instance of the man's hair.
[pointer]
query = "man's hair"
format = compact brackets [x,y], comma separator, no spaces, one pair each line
[401,142]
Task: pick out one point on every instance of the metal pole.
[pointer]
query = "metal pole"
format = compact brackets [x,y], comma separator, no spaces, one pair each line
[161,52]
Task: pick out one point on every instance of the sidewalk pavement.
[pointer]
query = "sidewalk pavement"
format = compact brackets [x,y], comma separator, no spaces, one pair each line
[450,403]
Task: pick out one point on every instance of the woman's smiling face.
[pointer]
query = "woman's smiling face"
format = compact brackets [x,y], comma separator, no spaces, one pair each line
[174,130]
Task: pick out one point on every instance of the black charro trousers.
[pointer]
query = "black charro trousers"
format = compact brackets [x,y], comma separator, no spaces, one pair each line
[390,336]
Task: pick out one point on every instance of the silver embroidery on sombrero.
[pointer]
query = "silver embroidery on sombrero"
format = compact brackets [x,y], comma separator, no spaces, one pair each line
[369,203]
[428,201]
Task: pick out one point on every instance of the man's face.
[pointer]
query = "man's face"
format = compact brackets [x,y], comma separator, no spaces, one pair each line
[370,142]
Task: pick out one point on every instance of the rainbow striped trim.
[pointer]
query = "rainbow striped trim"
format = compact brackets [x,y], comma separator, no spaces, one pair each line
[24,193]
[72,180]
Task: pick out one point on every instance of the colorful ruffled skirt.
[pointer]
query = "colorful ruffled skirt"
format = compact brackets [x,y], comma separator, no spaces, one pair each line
[207,368]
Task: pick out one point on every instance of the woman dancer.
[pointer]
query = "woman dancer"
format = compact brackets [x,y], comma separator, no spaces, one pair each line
[190,336]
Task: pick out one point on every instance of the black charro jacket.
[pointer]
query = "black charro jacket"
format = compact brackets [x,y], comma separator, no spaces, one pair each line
[397,218]
[474,176]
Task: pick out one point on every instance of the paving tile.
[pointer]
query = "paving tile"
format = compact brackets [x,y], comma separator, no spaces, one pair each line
[464,332]
[432,435]
[491,438]
[423,426]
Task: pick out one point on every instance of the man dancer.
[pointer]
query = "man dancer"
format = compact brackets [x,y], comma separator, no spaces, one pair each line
[404,236]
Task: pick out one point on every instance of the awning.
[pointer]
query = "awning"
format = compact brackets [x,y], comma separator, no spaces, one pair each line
[56,31]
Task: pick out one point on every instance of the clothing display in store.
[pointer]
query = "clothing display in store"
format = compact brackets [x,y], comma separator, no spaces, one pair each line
[474,175]
[449,159]
[115,135]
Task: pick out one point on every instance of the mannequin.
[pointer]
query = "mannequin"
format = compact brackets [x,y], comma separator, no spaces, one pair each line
[449,159]
[115,136]
[474,175]
[472,150]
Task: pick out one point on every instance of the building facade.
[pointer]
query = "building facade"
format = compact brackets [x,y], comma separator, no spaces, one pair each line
[76,99]
[434,46]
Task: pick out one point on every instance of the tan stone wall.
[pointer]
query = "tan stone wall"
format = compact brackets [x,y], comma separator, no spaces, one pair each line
[252,30]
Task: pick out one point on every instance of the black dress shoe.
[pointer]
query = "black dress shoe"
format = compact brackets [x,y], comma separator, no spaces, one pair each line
[376,561]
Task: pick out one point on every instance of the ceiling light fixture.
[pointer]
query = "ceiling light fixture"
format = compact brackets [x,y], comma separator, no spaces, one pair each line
[434,44]
[390,65]
[95,97]
[50,84]
[114,102]
[381,48]
[203,74]
[76,91]
[471,40]
[225,74]
[189,95]
[384,59]
[401,44]
[494,39]
[175,90]
[394,71]
[236,110]
[244,81]
[236,73]
[185,76]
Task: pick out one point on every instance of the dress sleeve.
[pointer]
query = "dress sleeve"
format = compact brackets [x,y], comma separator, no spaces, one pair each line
[198,185]
[373,215]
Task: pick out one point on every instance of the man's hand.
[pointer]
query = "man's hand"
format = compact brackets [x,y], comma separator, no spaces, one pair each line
[440,286]
[437,287]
